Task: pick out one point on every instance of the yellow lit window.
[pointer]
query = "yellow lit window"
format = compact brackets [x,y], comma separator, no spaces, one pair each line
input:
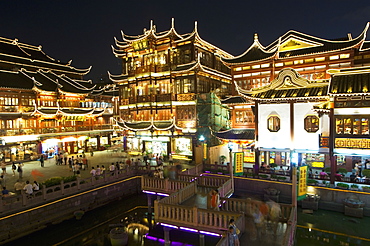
[334,57]
[265,65]
[280,64]
[308,60]
[246,68]
[358,57]
[288,63]
[298,62]
[366,56]
[238,69]
[256,66]
[319,59]
[343,56]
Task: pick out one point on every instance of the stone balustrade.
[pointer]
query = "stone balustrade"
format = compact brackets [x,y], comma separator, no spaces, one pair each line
[45,194]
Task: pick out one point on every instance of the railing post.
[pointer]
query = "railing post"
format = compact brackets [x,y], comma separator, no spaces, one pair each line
[44,191]
[24,198]
[62,186]
[195,216]
[167,184]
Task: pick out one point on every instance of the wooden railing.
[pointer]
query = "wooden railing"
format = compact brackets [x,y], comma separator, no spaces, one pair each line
[180,215]
[291,228]
[181,195]
[162,185]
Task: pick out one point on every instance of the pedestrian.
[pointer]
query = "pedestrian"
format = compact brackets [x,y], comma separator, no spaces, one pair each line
[102,170]
[14,167]
[230,236]
[235,232]
[65,155]
[215,200]
[98,170]
[259,223]
[3,167]
[2,181]
[275,214]
[93,172]
[42,160]
[5,192]
[76,168]
[70,163]
[28,189]
[117,166]
[112,167]
[35,186]
[20,170]
[18,186]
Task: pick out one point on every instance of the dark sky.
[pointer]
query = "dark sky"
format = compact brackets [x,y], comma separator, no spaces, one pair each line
[83,30]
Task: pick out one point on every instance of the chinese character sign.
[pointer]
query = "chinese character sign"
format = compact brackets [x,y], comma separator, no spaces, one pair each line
[302,183]
[238,162]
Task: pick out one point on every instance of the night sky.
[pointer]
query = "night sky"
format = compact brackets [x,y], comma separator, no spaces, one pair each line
[84,30]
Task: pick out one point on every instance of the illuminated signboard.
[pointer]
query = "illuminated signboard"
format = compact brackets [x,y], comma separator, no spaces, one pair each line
[238,163]
[302,183]
[352,143]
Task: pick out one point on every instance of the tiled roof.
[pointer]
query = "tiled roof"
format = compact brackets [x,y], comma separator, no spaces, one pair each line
[236,134]
[16,80]
[234,100]
[350,83]
[293,93]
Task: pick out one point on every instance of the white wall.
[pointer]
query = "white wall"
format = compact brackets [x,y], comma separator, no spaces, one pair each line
[281,139]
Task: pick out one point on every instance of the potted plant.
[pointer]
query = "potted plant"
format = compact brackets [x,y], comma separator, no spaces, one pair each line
[222,159]
[323,184]
[273,177]
[312,182]
[281,178]
[366,188]
[263,176]
[354,187]
[342,186]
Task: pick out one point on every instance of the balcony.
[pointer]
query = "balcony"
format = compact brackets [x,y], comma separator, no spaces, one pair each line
[186,97]
[164,97]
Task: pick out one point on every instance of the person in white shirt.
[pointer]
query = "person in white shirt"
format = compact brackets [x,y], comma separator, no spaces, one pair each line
[112,167]
[28,188]
[98,171]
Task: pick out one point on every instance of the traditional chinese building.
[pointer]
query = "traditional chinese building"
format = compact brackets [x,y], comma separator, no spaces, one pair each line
[46,106]
[310,58]
[287,126]
[165,82]
[349,107]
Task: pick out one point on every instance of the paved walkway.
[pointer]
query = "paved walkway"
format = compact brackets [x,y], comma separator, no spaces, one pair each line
[50,169]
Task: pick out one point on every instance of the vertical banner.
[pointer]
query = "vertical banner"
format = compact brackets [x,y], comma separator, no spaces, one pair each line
[238,162]
[205,151]
[302,183]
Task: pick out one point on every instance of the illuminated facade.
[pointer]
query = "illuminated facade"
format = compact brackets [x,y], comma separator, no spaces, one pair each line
[311,56]
[163,77]
[272,80]
[42,101]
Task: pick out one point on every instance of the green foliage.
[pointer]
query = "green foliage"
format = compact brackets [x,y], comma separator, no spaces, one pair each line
[263,176]
[282,178]
[57,180]
[342,170]
[273,165]
[327,169]
[366,172]
[343,185]
[354,186]
[312,181]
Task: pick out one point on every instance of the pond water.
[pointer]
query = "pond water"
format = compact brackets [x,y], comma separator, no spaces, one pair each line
[327,228]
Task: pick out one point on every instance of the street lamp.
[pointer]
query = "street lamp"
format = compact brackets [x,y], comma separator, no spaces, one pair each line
[230,146]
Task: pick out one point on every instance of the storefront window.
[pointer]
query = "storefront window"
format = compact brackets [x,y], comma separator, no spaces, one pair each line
[311,123]
[352,125]
[273,123]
